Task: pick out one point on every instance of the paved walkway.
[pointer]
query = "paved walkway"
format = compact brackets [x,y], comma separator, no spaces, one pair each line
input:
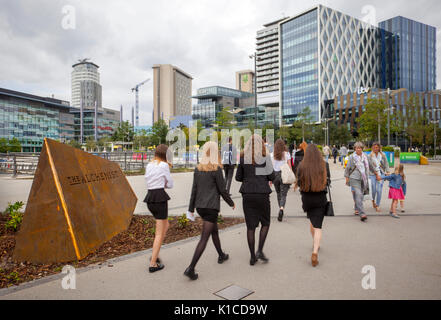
[405,253]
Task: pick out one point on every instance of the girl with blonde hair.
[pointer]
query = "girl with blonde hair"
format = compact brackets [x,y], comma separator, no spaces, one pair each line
[208,186]
[255,171]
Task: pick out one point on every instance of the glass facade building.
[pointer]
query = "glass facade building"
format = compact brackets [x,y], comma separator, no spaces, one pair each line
[31,118]
[300,69]
[324,53]
[108,121]
[410,51]
[212,100]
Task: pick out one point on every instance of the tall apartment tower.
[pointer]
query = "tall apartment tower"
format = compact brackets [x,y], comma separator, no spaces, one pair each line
[245,81]
[324,53]
[85,82]
[409,52]
[267,64]
[171,92]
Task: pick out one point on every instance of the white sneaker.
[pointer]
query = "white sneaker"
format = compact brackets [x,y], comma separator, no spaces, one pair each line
[190,216]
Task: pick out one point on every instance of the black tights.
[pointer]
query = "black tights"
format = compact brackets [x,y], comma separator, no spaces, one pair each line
[208,229]
[262,237]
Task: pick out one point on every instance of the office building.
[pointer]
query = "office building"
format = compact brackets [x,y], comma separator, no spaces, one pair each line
[408,55]
[347,108]
[86,88]
[212,100]
[171,92]
[97,125]
[31,118]
[245,81]
[324,53]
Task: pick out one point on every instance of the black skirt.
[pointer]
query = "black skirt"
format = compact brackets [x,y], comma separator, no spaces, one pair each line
[314,204]
[209,215]
[257,208]
[157,203]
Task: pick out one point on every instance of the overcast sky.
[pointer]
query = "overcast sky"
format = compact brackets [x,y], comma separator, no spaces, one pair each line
[209,39]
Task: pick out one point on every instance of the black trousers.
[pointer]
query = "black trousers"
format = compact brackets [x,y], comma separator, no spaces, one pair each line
[229,170]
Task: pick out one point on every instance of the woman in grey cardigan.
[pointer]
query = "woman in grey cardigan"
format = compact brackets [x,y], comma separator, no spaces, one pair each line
[357,176]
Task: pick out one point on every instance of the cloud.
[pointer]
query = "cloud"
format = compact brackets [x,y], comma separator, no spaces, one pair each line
[210,40]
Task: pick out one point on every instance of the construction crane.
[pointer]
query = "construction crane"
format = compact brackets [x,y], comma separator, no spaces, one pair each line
[137,101]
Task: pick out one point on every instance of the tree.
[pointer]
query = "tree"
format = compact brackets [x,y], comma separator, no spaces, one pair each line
[3,145]
[341,136]
[91,144]
[124,132]
[417,121]
[302,126]
[159,132]
[224,118]
[103,143]
[14,145]
[74,144]
[374,116]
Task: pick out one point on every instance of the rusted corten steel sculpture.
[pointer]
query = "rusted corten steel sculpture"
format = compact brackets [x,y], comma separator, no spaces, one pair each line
[77,202]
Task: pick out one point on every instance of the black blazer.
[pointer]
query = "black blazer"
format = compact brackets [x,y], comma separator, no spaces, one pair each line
[207,188]
[252,183]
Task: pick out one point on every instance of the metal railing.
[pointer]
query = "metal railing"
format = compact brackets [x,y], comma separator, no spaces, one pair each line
[26,163]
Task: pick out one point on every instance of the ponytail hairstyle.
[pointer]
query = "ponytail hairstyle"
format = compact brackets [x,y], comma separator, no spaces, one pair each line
[161,154]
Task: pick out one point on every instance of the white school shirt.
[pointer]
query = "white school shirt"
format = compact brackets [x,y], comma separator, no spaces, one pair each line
[277,164]
[157,175]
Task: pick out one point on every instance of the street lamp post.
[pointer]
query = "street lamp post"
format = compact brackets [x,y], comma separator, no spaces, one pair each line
[435,122]
[254,55]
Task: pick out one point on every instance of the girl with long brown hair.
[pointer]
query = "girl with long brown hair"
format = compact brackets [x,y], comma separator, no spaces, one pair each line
[313,177]
[255,171]
[208,186]
[157,177]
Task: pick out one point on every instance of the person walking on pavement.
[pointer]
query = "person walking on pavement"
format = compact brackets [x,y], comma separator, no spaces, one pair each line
[299,156]
[326,152]
[279,157]
[255,172]
[313,179]
[229,160]
[343,154]
[379,166]
[208,186]
[395,189]
[356,174]
[157,177]
[334,153]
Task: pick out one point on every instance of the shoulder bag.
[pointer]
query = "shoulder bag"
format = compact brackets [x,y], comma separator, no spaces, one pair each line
[329,208]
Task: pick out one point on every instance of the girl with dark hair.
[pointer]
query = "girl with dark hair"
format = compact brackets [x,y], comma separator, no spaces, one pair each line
[157,177]
[299,156]
[255,171]
[313,177]
[279,157]
[208,186]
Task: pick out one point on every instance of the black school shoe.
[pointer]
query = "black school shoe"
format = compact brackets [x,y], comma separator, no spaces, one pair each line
[261,256]
[223,258]
[158,267]
[191,274]
[280,215]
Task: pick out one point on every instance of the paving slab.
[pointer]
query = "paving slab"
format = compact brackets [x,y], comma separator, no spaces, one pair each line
[405,254]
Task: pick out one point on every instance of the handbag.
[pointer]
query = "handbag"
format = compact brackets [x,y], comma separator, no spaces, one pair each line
[329,208]
[288,176]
